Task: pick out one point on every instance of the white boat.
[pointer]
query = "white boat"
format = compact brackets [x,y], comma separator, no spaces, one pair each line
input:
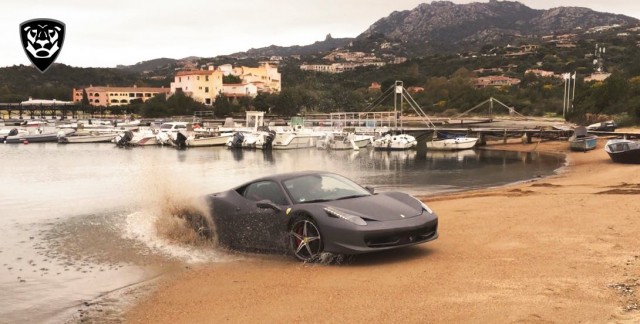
[167,133]
[344,141]
[582,141]
[90,138]
[6,132]
[41,135]
[141,138]
[623,151]
[452,144]
[253,140]
[395,142]
[201,140]
[92,124]
[298,138]
[128,123]
[173,127]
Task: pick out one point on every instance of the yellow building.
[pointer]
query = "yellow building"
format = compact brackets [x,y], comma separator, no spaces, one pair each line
[201,85]
[266,77]
[116,96]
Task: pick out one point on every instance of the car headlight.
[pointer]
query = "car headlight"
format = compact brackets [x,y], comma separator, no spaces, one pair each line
[348,217]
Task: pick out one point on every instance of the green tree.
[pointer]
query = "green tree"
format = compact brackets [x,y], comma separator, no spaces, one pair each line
[231,79]
[222,106]
[85,98]
[287,104]
[260,102]
[155,107]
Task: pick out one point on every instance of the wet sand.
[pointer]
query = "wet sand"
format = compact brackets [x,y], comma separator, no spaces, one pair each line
[560,249]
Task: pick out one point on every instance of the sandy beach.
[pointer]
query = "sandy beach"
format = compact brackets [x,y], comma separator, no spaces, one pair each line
[563,249]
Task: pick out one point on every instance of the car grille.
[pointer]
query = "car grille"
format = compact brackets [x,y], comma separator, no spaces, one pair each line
[402,238]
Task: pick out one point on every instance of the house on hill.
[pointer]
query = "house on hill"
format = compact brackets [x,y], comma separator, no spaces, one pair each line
[496,81]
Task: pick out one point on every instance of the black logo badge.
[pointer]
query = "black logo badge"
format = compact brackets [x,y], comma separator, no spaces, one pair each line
[42,41]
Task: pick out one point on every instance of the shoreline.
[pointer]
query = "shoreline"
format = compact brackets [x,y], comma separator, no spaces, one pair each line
[560,249]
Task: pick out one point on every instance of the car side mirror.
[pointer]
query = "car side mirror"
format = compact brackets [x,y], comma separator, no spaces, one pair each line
[370,189]
[268,204]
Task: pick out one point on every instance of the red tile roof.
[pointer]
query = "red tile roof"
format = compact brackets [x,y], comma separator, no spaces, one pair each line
[195,72]
[125,89]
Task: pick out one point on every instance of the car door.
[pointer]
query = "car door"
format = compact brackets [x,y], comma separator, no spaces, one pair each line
[266,227]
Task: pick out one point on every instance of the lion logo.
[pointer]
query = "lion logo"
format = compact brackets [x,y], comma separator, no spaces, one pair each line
[42,40]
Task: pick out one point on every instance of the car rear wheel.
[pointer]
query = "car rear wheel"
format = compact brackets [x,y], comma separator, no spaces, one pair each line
[305,241]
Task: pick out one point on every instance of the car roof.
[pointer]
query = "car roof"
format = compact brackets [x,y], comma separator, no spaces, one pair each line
[285,176]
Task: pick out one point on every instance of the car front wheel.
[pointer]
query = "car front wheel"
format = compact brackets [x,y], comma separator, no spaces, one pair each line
[305,241]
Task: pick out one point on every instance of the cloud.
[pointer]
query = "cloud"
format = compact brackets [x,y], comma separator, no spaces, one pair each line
[107,33]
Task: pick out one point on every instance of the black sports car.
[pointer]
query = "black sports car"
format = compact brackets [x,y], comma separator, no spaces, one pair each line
[307,213]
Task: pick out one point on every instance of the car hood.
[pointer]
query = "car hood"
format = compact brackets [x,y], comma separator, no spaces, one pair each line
[380,207]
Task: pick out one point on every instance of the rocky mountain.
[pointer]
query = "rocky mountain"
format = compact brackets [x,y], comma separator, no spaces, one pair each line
[328,44]
[150,65]
[434,28]
[444,26]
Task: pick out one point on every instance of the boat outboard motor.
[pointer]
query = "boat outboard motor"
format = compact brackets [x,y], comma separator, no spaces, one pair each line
[268,139]
[237,140]
[125,139]
[181,140]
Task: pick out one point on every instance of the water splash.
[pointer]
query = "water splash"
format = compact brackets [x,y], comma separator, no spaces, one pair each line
[174,219]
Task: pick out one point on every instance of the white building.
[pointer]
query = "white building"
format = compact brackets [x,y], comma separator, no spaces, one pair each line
[235,90]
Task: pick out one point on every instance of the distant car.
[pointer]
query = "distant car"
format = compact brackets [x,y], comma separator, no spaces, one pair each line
[308,213]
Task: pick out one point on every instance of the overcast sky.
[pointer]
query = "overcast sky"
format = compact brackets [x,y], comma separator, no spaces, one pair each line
[107,33]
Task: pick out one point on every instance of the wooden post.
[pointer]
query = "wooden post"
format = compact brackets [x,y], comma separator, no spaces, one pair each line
[481,140]
[504,139]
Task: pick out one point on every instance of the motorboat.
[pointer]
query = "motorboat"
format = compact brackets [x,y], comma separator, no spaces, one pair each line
[135,123]
[173,127]
[146,137]
[395,142]
[297,138]
[582,141]
[260,139]
[38,137]
[86,138]
[344,141]
[4,133]
[623,150]
[452,144]
[183,139]
[606,126]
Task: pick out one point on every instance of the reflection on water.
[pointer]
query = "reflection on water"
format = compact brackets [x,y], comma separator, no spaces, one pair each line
[57,198]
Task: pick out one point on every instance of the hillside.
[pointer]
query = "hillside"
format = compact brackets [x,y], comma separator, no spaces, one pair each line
[328,44]
[445,27]
[151,65]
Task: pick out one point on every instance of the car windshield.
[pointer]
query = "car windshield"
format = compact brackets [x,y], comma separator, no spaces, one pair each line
[322,187]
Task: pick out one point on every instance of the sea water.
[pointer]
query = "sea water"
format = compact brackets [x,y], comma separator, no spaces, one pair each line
[81,221]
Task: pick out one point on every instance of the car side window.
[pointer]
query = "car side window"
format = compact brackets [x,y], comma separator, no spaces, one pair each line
[262,190]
